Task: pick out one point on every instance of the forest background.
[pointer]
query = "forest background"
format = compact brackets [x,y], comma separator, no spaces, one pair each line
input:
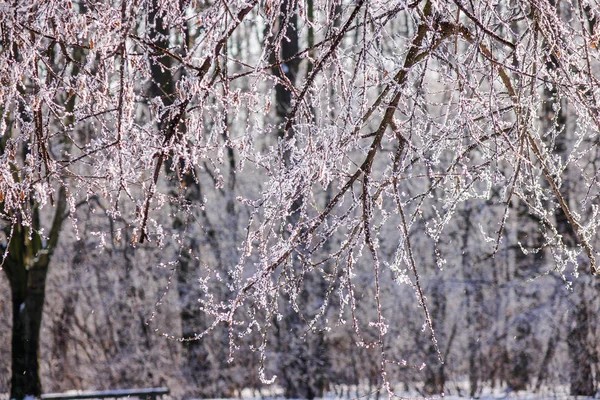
[321,195]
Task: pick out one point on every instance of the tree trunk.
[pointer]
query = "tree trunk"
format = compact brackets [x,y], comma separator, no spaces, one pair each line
[26,268]
[473,299]
[580,350]
[435,377]
[27,289]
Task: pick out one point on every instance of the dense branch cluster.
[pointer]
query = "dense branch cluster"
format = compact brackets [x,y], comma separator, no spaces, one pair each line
[337,141]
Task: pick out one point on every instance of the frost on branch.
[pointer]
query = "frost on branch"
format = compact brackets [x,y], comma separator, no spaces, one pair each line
[312,179]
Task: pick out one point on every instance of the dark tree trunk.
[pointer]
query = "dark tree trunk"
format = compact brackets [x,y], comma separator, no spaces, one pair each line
[26,309]
[520,368]
[27,289]
[435,377]
[163,85]
[302,360]
[473,299]
[548,355]
[580,350]
[26,268]
[289,47]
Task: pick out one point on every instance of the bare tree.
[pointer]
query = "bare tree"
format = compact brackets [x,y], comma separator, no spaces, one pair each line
[329,133]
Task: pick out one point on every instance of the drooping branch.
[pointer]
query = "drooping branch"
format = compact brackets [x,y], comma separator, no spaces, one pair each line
[466,34]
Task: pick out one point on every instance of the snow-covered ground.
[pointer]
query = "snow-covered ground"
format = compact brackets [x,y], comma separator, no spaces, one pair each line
[554,392]
[346,393]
